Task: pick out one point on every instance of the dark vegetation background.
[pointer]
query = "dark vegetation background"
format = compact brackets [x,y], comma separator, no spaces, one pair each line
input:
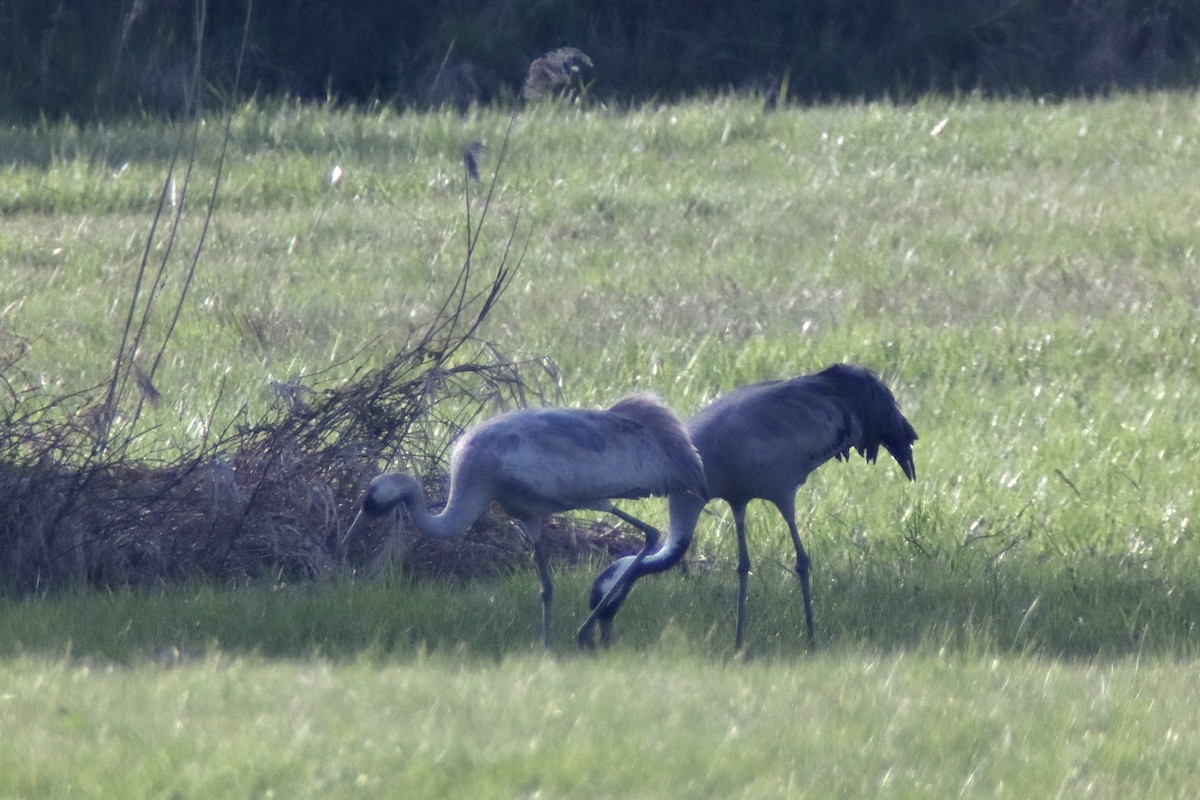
[88,58]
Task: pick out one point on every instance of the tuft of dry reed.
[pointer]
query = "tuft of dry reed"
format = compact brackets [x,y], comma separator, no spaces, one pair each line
[556,70]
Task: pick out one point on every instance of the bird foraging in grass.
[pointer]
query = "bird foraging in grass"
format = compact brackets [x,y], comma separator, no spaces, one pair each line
[761,442]
[537,462]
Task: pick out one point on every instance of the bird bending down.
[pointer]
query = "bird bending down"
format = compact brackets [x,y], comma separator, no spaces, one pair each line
[537,462]
[762,441]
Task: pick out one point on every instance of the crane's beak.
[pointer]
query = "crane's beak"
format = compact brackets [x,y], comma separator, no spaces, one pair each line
[904,458]
[355,528]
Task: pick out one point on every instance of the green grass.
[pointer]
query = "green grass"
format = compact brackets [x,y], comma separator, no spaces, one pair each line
[366,690]
[1020,622]
[965,602]
[657,724]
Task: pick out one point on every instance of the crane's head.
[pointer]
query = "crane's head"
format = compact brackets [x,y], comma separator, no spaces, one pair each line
[877,413]
[389,490]
[610,588]
[897,437]
[385,492]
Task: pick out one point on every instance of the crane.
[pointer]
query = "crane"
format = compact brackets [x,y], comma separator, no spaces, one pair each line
[762,441]
[539,461]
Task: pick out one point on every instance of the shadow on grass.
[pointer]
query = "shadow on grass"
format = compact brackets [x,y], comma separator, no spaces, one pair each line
[1094,608]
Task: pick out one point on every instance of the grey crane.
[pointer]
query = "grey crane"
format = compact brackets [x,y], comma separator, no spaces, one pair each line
[762,441]
[537,462]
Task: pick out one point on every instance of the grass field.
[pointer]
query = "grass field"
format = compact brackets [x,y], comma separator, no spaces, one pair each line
[1020,622]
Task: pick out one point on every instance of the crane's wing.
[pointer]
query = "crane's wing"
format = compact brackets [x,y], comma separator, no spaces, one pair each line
[555,459]
[774,432]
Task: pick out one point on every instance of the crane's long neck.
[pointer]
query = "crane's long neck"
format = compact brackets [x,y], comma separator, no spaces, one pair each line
[393,488]
[685,509]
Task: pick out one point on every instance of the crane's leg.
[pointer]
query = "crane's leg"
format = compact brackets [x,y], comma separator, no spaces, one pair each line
[788,510]
[543,567]
[651,533]
[743,571]
[619,587]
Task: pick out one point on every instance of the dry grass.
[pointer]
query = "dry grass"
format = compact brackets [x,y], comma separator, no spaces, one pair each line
[268,497]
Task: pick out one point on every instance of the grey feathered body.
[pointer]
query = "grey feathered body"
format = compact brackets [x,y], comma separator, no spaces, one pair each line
[541,461]
[537,462]
[763,440]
